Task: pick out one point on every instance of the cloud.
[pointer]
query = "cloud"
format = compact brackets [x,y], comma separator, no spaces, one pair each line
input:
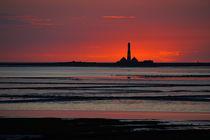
[26,20]
[118,17]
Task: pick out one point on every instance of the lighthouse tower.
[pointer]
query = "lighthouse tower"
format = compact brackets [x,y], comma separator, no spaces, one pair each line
[129,53]
[128,60]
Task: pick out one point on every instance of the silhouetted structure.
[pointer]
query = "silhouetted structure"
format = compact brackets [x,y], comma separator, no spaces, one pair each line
[148,61]
[134,60]
[123,62]
[128,60]
[129,52]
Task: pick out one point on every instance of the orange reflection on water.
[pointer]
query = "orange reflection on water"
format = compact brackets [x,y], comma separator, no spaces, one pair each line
[106,114]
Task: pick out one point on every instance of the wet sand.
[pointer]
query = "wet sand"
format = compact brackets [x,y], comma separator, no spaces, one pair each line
[72,124]
[62,129]
[105,114]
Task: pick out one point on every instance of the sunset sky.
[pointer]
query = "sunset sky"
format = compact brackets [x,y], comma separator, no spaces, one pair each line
[99,30]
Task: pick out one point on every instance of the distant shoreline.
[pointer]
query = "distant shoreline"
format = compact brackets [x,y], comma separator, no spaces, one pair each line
[98,64]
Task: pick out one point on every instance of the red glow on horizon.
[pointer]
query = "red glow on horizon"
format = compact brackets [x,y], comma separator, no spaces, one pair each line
[158,51]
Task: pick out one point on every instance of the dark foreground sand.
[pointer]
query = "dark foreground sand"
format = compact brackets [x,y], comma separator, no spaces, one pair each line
[63,129]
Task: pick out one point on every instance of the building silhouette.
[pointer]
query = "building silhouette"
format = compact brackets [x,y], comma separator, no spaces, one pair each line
[123,60]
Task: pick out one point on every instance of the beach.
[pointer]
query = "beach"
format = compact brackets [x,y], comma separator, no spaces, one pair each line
[104,102]
[105,114]
[50,125]
[57,129]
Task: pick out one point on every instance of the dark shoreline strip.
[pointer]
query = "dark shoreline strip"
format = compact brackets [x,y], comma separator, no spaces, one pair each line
[196,98]
[113,76]
[107,86]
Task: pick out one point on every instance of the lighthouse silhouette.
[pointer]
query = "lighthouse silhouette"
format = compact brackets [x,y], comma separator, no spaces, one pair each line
[128,60]
[129,52]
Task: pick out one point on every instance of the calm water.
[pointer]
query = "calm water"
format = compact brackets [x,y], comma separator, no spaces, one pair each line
[102,88]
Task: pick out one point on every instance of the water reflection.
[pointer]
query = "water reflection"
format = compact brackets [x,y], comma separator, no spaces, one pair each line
[117,89]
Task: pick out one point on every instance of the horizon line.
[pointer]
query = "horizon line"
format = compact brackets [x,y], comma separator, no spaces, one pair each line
[98,62]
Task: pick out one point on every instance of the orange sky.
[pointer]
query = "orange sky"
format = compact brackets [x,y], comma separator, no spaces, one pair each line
[92,30]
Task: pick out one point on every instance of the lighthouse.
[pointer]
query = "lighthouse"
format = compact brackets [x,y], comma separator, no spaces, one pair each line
[128,60]
[129,52]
